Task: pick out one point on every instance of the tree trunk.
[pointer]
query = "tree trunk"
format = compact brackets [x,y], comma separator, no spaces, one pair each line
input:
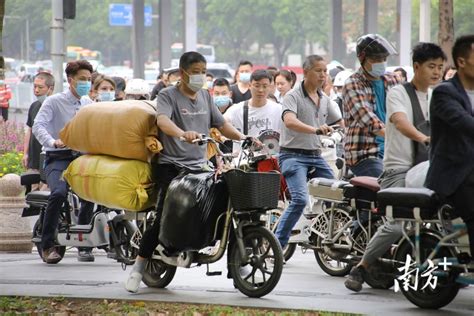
[2,60]
[446,27]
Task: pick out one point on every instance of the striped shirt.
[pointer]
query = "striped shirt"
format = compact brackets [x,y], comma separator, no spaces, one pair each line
[5,96]
[362,123]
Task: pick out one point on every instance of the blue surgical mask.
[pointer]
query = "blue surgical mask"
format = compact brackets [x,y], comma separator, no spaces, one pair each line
[221,100]
[244,77]
[210,84]
[378,69]
[41,98]
[83,88]
[106,96]
[2,82]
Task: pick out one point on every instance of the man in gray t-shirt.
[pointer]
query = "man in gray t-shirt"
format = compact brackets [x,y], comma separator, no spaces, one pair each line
[184,111]
[306,113]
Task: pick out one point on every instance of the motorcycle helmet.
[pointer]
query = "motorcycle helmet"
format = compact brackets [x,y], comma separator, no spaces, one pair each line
[375,46]
[137,89]
[341,78]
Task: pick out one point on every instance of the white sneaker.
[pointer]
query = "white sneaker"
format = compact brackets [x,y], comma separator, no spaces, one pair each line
[246,271]
[133,282]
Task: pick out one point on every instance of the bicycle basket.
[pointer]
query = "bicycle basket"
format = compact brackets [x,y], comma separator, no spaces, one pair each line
[253,190]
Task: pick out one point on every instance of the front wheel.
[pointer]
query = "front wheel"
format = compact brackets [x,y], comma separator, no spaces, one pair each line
[158,274]
[328,264]
[418,291]
[259,275]
[36,239]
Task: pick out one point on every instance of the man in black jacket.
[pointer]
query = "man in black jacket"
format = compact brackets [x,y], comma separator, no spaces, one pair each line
[451,172]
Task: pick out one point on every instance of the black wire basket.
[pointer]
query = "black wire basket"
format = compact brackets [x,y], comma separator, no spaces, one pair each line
[253,190]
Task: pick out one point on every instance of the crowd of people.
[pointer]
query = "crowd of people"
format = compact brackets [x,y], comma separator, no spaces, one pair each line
[390,125]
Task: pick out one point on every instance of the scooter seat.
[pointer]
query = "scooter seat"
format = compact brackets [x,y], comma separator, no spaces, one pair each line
[366,182]
[38,198]
[29,178]
[408,203]
[360,197]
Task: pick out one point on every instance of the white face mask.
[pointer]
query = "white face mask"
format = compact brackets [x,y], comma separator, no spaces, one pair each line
[196,82]
[106,96]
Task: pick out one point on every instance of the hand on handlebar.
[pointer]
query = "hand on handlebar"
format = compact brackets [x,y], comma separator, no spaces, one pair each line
[324,130]
[249,141]
[190,137]
[327,142]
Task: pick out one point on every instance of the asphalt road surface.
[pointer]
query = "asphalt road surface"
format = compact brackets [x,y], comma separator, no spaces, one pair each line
[303,286]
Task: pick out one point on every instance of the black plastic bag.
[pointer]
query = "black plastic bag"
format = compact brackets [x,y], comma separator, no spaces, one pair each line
[192,206]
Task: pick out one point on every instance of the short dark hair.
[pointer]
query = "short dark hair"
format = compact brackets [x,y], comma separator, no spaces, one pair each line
[423,52]
[120,83]
[260,74]
[462,47]
[243,63]
[73,67]
[403,71]
[221,82]
[210,75]
[47,77]
[189,58]
[310,60]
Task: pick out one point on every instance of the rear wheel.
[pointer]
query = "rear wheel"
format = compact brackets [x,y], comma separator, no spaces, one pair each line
[421,293]
[259,275]
[330,253]
[36,239]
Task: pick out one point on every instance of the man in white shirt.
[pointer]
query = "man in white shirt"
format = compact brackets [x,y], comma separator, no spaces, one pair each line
[263,114]
[406,139]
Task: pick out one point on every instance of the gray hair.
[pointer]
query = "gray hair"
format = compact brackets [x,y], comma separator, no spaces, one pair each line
[310,60]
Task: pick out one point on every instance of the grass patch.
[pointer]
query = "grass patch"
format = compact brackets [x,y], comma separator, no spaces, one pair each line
[70,306]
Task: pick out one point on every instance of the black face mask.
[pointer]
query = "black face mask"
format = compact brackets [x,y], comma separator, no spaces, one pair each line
[118,99]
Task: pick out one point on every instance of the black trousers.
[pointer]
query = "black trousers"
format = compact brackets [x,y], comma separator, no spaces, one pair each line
[463,202]
[162,174]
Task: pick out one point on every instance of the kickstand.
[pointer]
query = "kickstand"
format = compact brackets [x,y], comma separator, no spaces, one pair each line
[209,273]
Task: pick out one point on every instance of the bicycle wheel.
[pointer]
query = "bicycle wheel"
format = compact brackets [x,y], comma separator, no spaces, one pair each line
[419,292]
[260,274]
[273,217]
[124,231]
[36,239]
[330,253]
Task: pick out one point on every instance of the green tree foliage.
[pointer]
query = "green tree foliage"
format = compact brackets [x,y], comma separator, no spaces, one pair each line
[264,31]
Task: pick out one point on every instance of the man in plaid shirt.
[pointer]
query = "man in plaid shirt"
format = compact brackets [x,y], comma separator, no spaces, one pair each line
[364,106]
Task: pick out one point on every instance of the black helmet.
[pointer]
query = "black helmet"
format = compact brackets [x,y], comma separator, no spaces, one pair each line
[374,45]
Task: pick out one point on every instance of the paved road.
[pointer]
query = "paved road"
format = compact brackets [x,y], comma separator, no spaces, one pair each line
[302,286]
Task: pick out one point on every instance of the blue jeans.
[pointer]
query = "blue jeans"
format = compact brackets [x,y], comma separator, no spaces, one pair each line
[295,168]
[371,167]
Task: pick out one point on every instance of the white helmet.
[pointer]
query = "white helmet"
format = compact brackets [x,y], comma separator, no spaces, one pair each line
[138,87]
[341,78]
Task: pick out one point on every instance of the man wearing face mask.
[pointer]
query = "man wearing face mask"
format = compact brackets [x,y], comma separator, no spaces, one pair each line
[364,106]
[241,90]
[184,111]
[53,115]
[43,87]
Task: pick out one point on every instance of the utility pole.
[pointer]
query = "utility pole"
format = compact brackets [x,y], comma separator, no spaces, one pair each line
[404,31]
[138,38]
[337,46]
[165,34]
[425,20]
[190,25]
[57,44]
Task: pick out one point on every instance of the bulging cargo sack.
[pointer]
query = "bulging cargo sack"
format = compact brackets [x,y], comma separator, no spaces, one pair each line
[112,182]
[416,176]
[191,210]
[125,129]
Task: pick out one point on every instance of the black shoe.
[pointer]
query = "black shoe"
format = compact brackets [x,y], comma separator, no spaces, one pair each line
[355,279]
[85,256]
[111,254]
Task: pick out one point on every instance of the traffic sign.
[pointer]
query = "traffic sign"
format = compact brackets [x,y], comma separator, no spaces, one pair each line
[121,15]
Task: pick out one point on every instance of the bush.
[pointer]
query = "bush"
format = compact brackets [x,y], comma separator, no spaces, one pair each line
[12,135]
[11,163]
